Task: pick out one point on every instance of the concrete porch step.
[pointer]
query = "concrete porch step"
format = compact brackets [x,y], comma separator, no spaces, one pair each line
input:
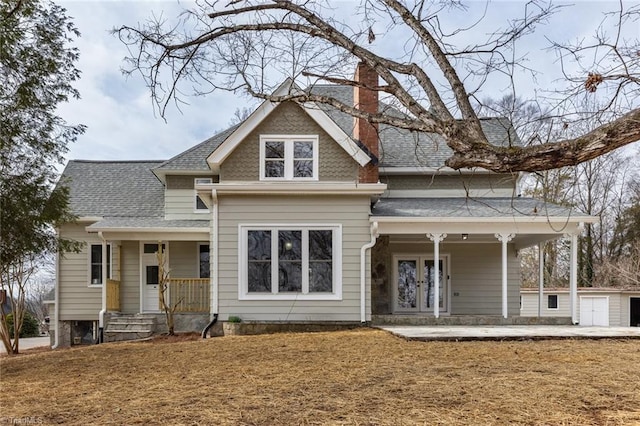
[129,327]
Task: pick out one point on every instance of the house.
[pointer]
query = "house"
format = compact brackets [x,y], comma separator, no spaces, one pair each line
[615,307]
[300,215]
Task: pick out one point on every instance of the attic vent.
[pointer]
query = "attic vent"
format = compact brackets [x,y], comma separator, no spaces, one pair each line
[203,181]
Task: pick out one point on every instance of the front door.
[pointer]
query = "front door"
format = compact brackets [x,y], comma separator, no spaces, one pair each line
[416,281]
[150,278]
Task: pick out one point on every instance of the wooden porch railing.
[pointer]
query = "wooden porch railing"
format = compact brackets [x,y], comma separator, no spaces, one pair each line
[191,294]
[113,295]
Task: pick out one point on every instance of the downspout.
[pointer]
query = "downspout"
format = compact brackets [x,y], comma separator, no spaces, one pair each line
[104,289]
[213,264]
[56,297]
[363,278]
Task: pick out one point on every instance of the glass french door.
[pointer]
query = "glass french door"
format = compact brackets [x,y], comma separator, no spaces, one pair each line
[416,281]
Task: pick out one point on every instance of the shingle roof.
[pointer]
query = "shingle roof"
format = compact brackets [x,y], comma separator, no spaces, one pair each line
[148,222]
[195,158]
[404,148]
[470,208]
[114,188]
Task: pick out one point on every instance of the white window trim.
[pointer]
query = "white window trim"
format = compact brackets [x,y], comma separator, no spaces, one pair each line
[288,156]
[200,181]
[109,261]
[243,291]
[198,258]
[557,302]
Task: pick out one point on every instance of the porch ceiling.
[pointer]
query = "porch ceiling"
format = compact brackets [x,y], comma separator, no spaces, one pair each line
[520,240]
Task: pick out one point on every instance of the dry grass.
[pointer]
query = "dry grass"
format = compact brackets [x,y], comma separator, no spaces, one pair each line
[353,377]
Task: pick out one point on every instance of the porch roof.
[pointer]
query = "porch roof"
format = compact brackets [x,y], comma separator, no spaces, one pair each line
[530,221]
[140,228]
[467,207]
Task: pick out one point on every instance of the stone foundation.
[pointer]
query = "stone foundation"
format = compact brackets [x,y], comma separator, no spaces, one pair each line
[252,328]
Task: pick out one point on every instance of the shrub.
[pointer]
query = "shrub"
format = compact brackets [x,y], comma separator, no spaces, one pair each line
[30,327]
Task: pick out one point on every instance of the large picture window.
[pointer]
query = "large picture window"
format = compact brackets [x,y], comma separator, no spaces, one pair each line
[95,261]
[290,262]
[289,157]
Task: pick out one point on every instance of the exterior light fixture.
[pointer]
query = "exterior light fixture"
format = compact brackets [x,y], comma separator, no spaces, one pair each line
[465,237]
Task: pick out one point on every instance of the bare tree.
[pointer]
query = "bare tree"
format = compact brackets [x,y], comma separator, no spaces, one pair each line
[167,305]
[15,281]
[433,74]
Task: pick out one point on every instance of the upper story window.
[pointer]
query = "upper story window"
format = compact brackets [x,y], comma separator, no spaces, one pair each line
[200,206]
[289,157]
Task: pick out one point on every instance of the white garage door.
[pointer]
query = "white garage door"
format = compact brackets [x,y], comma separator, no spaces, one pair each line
[594,311]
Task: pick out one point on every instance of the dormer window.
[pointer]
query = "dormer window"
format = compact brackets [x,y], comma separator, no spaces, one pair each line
[289,157]
[200,206]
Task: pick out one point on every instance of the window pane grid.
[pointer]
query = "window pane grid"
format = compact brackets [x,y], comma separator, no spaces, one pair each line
[289,159]
[300,261]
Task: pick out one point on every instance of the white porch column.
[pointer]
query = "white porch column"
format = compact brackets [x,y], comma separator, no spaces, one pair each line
[573,279]
[540,277]
[437,239]
[504,239]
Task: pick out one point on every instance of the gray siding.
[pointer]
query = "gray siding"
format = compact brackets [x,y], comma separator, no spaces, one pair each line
[475,272]
[350,211]
[618,304]
[130,283]
[243,164]
[530,305]
[183,259]
[186,182]
[79,301]
[180,204]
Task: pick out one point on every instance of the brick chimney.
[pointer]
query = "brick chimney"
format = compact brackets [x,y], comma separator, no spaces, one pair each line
[365,132]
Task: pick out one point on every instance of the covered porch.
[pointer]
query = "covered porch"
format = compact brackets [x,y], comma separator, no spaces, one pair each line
[142,257]
[472,246]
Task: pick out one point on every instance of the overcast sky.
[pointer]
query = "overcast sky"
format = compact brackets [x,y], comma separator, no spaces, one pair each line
[119,115]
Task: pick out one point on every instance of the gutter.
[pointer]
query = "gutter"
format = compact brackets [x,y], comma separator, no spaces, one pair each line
[213,264]
[363,278]
[104,289]
[56,298]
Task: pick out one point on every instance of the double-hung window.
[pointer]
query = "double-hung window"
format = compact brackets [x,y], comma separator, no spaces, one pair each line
[288,157]
[95,263]
[290,262]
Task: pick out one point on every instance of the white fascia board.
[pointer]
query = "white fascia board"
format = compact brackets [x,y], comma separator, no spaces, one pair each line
[330,126]
[295,188]
[576,220]
[89,219]
[162,173]
[432,171]
[409,227]
[288,86]
[148,230]
[136,234]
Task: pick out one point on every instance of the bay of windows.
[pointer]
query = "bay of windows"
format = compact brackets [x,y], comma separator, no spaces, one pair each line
[290,262]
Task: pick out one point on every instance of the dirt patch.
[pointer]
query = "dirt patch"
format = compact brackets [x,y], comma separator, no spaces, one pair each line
[348,377]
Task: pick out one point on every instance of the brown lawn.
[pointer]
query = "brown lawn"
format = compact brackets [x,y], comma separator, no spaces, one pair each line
[352,377]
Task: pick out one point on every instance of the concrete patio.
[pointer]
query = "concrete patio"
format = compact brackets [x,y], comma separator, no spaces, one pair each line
[510,332]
